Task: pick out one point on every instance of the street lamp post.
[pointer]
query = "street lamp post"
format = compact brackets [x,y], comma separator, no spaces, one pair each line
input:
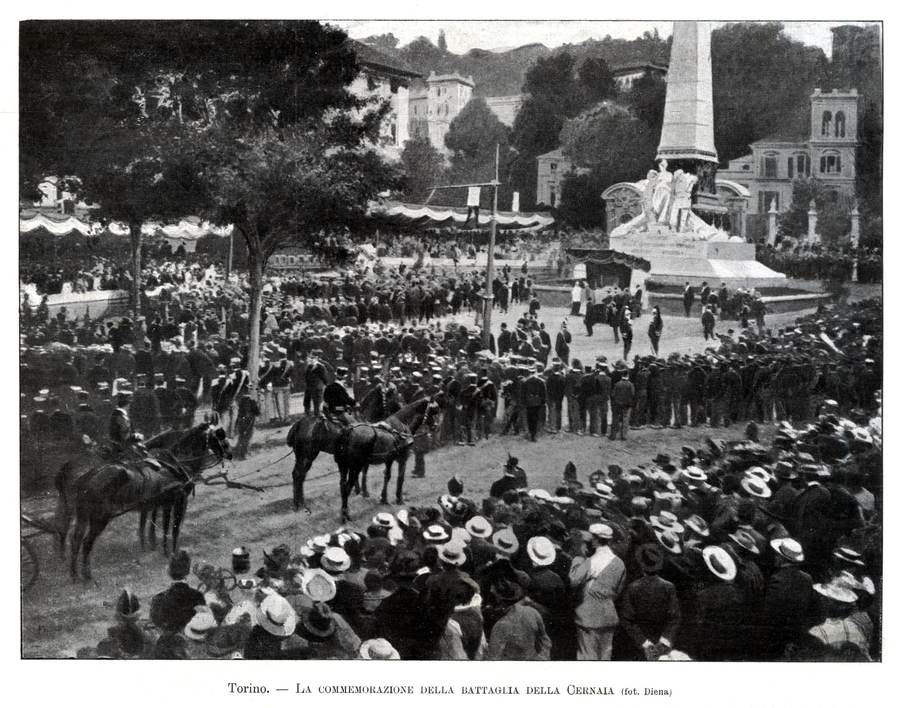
[489,285]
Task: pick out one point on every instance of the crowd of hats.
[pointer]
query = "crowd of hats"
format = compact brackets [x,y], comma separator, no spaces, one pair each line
[703,516]
[824,263]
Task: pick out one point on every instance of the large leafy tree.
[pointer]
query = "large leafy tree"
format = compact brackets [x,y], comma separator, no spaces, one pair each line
[423,168]
[253,120]
[472,139]
[762,80]
[833,218]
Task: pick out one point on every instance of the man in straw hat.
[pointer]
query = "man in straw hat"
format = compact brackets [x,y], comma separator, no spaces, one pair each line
[788,606]
[598,579]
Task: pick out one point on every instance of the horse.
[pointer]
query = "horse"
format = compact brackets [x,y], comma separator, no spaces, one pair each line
[389,441]
[309,436]
[116,488]
[94,456]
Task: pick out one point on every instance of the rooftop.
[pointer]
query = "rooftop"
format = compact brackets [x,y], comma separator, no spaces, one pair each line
[435,78]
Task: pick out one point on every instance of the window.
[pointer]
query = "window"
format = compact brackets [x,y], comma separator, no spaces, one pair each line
[802,164]
[790,167]
[839,125]
[765,201]
[553,167]
[826,123]
[770,165]
[552,196]
[393,133]
[830,163]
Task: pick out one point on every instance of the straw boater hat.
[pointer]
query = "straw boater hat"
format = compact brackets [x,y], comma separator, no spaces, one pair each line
[378,650]
[759,473]
[276,616]
[788,548]
[541,551]
[201,624]
[384,519]
[459,534]
[745,541]
[479,527]
[541,494]
[669,541]
[452,553]
[335,560]
[756,487]
[318,586]
[720,563]
[506,542]
[694,474]
[697,524]
[836,591]
[666,521]
[848,555]
[601,531]
[436,534]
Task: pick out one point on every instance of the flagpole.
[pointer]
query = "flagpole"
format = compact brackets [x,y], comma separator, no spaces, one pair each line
[489,285]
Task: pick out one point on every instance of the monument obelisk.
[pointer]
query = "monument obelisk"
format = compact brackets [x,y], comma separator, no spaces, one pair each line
[687,141]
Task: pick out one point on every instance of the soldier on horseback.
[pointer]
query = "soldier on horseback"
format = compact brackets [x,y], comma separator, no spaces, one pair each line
[338,397]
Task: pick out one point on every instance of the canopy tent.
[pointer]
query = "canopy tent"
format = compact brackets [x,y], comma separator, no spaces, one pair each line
[607,256]
[185,233]
[402,214]
[189,228]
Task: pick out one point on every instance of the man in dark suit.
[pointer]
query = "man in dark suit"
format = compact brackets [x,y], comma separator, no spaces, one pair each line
[687,298]
[534,394]
[173,608]
[504,341]
[622,400]
[788,605]
[649,609]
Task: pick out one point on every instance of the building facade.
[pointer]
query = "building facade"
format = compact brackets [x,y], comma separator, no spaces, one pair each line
[385,77]
[827,153]
[506,108]
[625,75]
[434,105]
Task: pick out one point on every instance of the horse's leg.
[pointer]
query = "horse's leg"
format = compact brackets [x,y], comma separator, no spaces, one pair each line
[178,512]
[152,538]
[365,481]
[302,463]
[387,478]
[401,474]
[76,540]
[63,516]
[167,513]
[345,490]
[142,526]
[96,528]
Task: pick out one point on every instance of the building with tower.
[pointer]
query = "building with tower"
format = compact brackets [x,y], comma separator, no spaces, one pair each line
[821,145]
[434,103]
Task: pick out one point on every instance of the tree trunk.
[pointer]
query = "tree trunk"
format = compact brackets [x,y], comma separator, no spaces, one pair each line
[135,234]
[256,285]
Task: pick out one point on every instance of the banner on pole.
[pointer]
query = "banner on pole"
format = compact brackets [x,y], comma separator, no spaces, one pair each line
[515,204]
[474,198]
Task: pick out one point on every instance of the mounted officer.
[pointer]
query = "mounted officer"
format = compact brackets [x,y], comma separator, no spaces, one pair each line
[338,397]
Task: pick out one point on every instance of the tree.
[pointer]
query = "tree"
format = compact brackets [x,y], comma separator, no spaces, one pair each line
[472,140]
[750,102]
[647,100]
[423,166]
[610,139]
[535,131]
[832,220]
[260,128]
[442,41]
[88,117]
[382,41]
[596,81]
[581,205]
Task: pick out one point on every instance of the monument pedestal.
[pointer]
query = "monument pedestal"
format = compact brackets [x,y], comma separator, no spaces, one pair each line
[676,258]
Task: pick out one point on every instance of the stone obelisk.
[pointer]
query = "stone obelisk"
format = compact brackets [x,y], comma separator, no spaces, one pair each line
[687,141]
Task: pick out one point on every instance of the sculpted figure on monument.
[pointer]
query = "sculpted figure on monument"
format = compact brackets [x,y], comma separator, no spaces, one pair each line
[682,186]
[647,200]
[662,193]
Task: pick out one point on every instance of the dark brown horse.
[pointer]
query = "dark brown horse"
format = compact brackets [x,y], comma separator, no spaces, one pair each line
[309,436]
[166,481]
[389,441]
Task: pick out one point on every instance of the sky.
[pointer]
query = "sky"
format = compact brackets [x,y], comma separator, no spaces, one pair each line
[506,34]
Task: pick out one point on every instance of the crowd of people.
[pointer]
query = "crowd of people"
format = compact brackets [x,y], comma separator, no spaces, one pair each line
[817,262]
[763,551]
[727,552]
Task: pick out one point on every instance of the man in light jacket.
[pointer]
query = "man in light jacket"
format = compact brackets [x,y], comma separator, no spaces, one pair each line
[598,580]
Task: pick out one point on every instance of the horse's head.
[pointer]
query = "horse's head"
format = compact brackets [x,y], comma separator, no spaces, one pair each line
[202,441]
